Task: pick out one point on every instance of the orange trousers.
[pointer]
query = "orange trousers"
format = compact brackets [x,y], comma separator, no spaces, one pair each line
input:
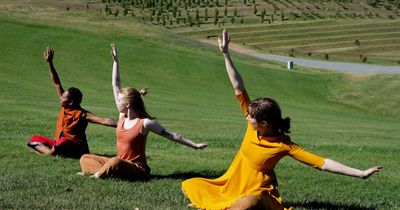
[113,168]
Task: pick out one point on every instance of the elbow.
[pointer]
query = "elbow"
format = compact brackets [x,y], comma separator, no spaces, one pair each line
[111,123]
[325,166]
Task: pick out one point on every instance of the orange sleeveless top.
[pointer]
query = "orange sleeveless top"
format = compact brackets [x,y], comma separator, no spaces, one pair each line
[71,123]
[131,143]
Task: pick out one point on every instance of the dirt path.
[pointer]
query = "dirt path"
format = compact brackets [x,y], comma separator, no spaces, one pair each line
[352,68]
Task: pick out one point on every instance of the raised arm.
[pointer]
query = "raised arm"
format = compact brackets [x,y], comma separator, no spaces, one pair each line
[234,76]
[336,167]
[155,127]
[116,81]
[48,57]
[100,120]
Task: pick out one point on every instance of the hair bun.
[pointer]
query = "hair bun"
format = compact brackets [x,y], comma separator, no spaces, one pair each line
[285,125]
[143,91]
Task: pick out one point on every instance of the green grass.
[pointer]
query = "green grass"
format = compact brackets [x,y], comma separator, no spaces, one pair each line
[190,94]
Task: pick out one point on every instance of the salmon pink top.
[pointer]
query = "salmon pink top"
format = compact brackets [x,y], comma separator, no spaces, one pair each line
[131,143]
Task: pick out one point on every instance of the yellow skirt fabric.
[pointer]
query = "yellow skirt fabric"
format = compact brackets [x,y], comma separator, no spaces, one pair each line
[221,193]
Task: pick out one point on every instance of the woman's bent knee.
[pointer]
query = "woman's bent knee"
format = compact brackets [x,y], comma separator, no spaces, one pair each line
[248,202]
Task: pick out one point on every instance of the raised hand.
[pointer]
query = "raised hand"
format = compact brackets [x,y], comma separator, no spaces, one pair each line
[48,54]
[367,173]
[114,52]
[223,44]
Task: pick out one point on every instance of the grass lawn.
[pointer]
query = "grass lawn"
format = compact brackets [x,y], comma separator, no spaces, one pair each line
[190,94]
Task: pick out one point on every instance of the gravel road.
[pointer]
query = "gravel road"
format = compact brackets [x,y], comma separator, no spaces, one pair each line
[334,66]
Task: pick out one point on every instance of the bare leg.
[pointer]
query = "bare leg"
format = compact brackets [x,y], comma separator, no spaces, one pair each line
[41,149]
[248,202]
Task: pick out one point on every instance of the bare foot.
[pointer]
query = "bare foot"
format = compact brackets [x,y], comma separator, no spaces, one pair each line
[190,205]
[95,175]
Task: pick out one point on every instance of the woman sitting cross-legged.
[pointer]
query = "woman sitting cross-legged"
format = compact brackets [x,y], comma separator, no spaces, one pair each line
[133,127]
[70,138]
[250,182]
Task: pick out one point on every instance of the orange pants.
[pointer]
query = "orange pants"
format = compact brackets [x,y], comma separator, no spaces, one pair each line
[113,168]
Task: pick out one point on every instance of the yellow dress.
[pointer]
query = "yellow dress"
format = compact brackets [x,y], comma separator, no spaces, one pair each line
[251,172]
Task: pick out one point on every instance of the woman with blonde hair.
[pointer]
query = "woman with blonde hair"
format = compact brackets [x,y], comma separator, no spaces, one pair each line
[133,127]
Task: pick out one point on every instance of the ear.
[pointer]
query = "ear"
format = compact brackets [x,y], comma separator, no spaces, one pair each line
[128,105]
[264,124]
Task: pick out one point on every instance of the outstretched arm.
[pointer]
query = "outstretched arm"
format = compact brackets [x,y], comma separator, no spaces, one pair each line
[155,127]
[336,167]
[116,81]
[48,57]
[234,76]
[100,120]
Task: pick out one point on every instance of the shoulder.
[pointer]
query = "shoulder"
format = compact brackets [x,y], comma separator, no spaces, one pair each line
[84,113]
[147,122]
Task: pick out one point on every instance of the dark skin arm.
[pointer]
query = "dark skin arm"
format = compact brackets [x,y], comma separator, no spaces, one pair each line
[100,120]
[48,57]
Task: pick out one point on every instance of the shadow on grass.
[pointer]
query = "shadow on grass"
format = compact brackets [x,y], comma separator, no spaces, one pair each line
[191,174]
[328,206]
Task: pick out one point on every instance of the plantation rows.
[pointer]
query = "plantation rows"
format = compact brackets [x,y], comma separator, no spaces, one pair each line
[212,13]
[297,27]
[328,28]
[357,39]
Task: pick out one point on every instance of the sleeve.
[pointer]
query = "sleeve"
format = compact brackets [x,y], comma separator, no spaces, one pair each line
[244,102]
[297,152]
[84,113]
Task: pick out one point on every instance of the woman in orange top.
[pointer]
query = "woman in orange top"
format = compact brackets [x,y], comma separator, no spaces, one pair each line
[133,127]
[250,181]
[70,137]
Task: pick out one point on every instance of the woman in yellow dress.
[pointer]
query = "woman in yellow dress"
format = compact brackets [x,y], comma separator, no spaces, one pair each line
[250,181]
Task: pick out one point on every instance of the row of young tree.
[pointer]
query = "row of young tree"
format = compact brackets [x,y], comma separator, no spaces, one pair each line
[197,12]
[170,15]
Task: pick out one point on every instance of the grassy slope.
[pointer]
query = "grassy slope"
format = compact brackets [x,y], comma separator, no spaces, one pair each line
[190,94]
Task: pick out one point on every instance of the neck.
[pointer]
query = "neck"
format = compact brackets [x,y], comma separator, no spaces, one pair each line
[131,115]
[71,107]
[268,132]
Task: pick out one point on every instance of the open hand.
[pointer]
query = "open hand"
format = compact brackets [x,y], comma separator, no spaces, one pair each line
[114,52]
[223,44]
[48,54]
[200,145]
[367,173]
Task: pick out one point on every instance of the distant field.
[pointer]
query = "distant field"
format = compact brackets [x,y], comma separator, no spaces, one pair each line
[355,31]
[353,119]
[370,41]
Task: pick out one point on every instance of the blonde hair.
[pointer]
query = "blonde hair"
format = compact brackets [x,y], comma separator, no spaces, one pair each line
[133,96]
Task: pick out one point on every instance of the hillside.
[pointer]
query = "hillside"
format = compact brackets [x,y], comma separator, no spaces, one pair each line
[356,30]
[353,119]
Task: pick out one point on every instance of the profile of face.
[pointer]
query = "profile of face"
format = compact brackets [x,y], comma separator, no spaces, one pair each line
[65,100]
[121,104]
[255,125]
